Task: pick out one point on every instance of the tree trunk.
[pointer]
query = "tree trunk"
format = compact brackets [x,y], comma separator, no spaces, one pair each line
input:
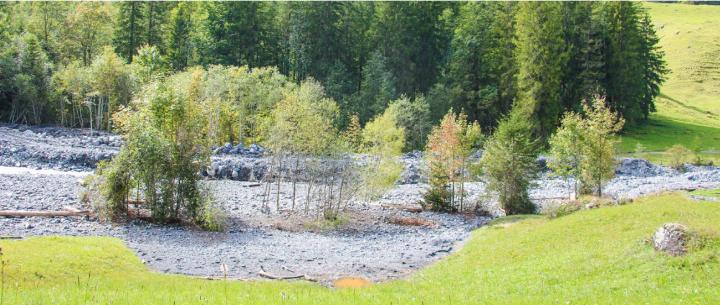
[294,181]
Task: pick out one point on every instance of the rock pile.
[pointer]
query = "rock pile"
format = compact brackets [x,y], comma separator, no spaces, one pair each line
[253,150]
[640,168]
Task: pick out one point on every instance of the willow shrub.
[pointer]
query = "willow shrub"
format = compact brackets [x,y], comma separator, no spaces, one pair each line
[162,156]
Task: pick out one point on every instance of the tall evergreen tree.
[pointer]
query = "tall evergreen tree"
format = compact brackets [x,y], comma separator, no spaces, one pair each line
[577,30]
[472,73]
[156,14]
[541,56]
[624,73]
[409,35]
[377,89]
[128,28]
[653,65]
[242,33]
[178,44]
[314,42]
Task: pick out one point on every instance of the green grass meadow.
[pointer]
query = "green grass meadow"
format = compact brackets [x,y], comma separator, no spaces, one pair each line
[599,256]
[688,108]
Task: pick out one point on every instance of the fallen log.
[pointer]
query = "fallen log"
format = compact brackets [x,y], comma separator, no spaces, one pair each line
[11,237]
[24,213]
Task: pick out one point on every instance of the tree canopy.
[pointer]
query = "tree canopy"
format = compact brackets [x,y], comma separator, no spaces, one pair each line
[479,58]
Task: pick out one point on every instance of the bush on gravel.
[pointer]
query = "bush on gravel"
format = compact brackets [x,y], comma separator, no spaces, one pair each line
[509,162]
[584,145]
[162,155]
[383,139]
[448,148]
[679,156]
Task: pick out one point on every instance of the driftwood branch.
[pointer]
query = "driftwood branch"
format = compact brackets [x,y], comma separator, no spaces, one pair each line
[67,211]
[264,274]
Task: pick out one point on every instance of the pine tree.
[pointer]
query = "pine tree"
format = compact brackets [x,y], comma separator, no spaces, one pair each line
[241,33]
[577,29]
[472,70]
[653,65]
[128,28]
[156,14]
[541,56]
[377,88]
[624,74]
[409,35]
[509,161]
[179,45]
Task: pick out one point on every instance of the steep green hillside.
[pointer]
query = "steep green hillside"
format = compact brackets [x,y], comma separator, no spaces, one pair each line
[599,256]
[689,106]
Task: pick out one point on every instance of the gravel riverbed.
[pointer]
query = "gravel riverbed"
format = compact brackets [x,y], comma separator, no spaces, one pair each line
[47,164]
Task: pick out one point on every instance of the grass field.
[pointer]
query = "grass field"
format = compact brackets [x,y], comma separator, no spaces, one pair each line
[598,256]
[689,104]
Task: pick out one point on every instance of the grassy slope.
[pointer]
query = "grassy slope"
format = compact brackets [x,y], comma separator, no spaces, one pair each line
[591,257]
[689,106]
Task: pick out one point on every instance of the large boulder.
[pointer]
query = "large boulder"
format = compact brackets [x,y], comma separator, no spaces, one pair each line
[671,238]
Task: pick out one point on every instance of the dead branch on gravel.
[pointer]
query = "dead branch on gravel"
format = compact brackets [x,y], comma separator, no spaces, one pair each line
[264,274]
[24,213]
[412,221]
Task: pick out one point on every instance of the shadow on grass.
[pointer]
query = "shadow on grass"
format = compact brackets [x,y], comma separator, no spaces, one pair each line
[660,133]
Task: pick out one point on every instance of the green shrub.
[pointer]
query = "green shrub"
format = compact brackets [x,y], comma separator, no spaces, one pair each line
[509,163]
[679,156]
[164,151]
[437,198]
[211,216]
[562,209]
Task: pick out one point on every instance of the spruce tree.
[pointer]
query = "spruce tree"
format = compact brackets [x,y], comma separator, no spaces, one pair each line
[541,55]
[509,161]
[472,70]
[128,28]
[179,45]
[653,64]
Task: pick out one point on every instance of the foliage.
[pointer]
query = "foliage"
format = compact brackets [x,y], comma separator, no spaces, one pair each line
[383,140]
[25,80]
[473,75]
[540,58]
[303,122]
[210,216]
[413,116]
[566,148]
[448,148]
[583,146]
[113,85]
[352,135]
[474,57]
[509,162]
[163,153]
[599,127]
[376,90]
[679,156]
[148,64]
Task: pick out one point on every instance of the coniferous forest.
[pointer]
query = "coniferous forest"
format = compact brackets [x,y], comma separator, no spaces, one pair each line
[75,64]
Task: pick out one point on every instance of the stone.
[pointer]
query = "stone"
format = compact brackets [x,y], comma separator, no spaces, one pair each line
[671,238]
